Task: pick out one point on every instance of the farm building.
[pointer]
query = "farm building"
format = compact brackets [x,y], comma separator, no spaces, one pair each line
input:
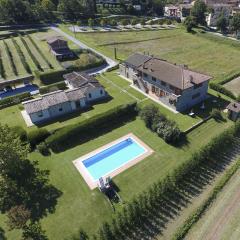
[59,48]
[176,86]
[83,91]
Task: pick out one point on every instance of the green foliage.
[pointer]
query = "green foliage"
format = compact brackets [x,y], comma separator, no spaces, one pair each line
[37,136]
[36,62]
[88,60]
[2,69]
[40,51]
[90,22]
[34,231]
[20,132]
[9,101]
[222,23]
[198,12]
[157,122]
[238,98]
[43,149]
[61,138]
[10,56]
[52,87]
[235,23]
[216,114]
[22,57]
[221,89]
[189,23]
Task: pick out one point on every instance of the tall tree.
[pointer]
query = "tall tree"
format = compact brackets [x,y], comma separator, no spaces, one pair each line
[198,12]
[235,23]
[222,23]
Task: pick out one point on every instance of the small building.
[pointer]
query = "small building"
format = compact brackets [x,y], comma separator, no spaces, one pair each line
[59,48]
[176,86]
[234,111]
[177,11]
[83,91]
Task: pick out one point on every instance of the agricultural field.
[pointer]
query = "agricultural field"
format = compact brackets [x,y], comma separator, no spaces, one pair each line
[202,52]
[222,219]
[234,86]
[24,55]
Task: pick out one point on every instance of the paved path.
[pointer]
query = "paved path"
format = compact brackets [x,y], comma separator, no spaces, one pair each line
[110,63]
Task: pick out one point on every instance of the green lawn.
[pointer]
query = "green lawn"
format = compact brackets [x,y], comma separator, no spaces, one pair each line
[201,51]
[78,205]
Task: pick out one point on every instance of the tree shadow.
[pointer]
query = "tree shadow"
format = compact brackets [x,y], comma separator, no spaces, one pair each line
[2,234]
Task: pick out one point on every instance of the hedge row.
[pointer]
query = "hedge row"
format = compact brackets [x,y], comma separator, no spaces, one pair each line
[219,88]
[53,87]
[154,200]
[10,56]
[196,215]
[22,57]
[2,69]
[40,52]
[9,101]
[81,130]
[229,78]
[31,54]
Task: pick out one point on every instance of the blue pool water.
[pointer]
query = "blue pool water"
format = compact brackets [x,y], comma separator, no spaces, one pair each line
[113,157]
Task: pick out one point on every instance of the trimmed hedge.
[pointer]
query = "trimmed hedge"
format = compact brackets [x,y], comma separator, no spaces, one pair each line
[40,51]
[31,54]
[37,136]
[219,88]
[63,136]
[9,53]
[196,215]
[53,87]
[9,101]
[22,57]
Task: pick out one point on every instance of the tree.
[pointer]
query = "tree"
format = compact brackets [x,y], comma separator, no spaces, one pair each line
[48,8]
[90,22]
[33,231]
[102,22]
[158,7]
[189,23]
[235,23]
[198,11]
[222,23]
[70,9]
[18,217]
[148,113]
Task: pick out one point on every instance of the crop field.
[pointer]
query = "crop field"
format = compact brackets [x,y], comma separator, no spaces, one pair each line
[203,52]
[23,55]
[222,219]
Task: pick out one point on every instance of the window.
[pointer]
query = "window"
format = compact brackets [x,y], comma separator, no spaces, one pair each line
[60,109]
[90,95]
[145,75]
[101,92]
[154,79]
[198,85]
[196,95]
[163,83]
[40,114]
[171,87]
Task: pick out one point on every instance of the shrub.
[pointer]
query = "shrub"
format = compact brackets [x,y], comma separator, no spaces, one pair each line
[43,149]
[168,131]
[238,98]
[10,56]
[53,87]
[22,57]
[20,132]
[221,89]
[148,113]
[37,136]
[62,137]
[9,101]
[216,114]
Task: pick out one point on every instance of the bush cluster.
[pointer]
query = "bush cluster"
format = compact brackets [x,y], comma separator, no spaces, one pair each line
[157,122]
[53,87]
[37,136]
[10,56]
[43,149]
[20,132]
[133,215]
[216,114]
[40,51]
[22,57]
[2,69]
[31,54]
[9,101]
[63,136]
[219,88]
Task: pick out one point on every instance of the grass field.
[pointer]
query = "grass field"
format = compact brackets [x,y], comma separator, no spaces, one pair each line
[234,86]
[213,55]
[78,205]
[222,219]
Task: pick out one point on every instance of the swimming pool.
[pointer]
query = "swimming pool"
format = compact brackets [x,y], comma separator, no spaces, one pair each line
[112,159]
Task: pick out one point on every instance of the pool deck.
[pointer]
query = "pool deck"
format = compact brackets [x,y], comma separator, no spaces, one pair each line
[78,163]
